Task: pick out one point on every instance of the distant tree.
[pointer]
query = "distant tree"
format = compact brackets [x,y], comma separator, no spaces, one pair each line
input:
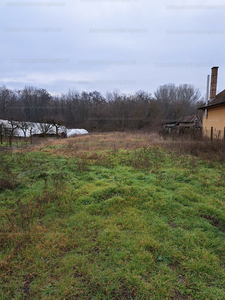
[26,126]
[165,96]
[175,102]
[93,111]
[11,129]
[45,128]
[56,123]
[70,109]
[35,103]
[139,107]
[97,111]
[5,102]
[117,110]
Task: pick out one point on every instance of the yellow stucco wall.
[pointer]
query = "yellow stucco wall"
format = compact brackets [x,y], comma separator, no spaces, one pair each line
[216,119]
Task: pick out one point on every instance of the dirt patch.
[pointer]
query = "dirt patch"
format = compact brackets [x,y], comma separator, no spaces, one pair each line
[178,296]
[124,293]
[171,224]
[213,220]
[78,275]
[6,184]
[96,249]
[27,281]
[173,266]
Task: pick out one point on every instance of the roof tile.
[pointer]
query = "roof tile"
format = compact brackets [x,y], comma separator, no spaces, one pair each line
[219,99]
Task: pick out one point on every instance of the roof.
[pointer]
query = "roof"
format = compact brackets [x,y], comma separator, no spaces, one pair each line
[219,99]
[187,119]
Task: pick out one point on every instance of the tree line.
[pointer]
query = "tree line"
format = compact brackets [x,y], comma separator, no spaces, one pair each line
[93,111]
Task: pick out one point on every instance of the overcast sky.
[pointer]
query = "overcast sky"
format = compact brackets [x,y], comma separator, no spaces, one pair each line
[103,45]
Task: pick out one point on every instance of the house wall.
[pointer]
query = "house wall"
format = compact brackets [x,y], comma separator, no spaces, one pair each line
[215,119]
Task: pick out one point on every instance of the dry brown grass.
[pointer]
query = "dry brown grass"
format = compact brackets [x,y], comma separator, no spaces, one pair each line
[97,142]
[204,148]
[88,145]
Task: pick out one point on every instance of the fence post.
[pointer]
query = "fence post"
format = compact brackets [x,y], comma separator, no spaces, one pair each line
[201,133]
[211,133]
[1,132]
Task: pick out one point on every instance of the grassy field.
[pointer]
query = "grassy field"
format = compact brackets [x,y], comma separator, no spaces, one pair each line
[113,216]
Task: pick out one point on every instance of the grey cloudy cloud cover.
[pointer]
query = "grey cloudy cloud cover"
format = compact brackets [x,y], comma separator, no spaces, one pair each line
[102,45]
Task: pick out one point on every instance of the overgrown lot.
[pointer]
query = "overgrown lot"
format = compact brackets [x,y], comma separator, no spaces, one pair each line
[113,216]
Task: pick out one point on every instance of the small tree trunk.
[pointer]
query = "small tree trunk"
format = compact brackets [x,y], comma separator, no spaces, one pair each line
[31,135]
[1,132]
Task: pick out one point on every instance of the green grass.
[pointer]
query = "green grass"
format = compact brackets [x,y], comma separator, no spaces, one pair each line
[16,142]
[111,224]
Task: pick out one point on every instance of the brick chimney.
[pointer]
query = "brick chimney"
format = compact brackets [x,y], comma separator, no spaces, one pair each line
[213,82]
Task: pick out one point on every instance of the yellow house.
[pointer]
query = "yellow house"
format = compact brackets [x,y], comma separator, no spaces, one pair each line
[213,111]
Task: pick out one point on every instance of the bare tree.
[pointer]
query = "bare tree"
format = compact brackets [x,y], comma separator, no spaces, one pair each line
[1,131]
[11,128]
[175,102]
[56,123]
[24,126]
[45,128]
[5,102]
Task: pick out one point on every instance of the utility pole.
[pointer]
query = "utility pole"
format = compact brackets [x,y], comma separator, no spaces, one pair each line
[207,97]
